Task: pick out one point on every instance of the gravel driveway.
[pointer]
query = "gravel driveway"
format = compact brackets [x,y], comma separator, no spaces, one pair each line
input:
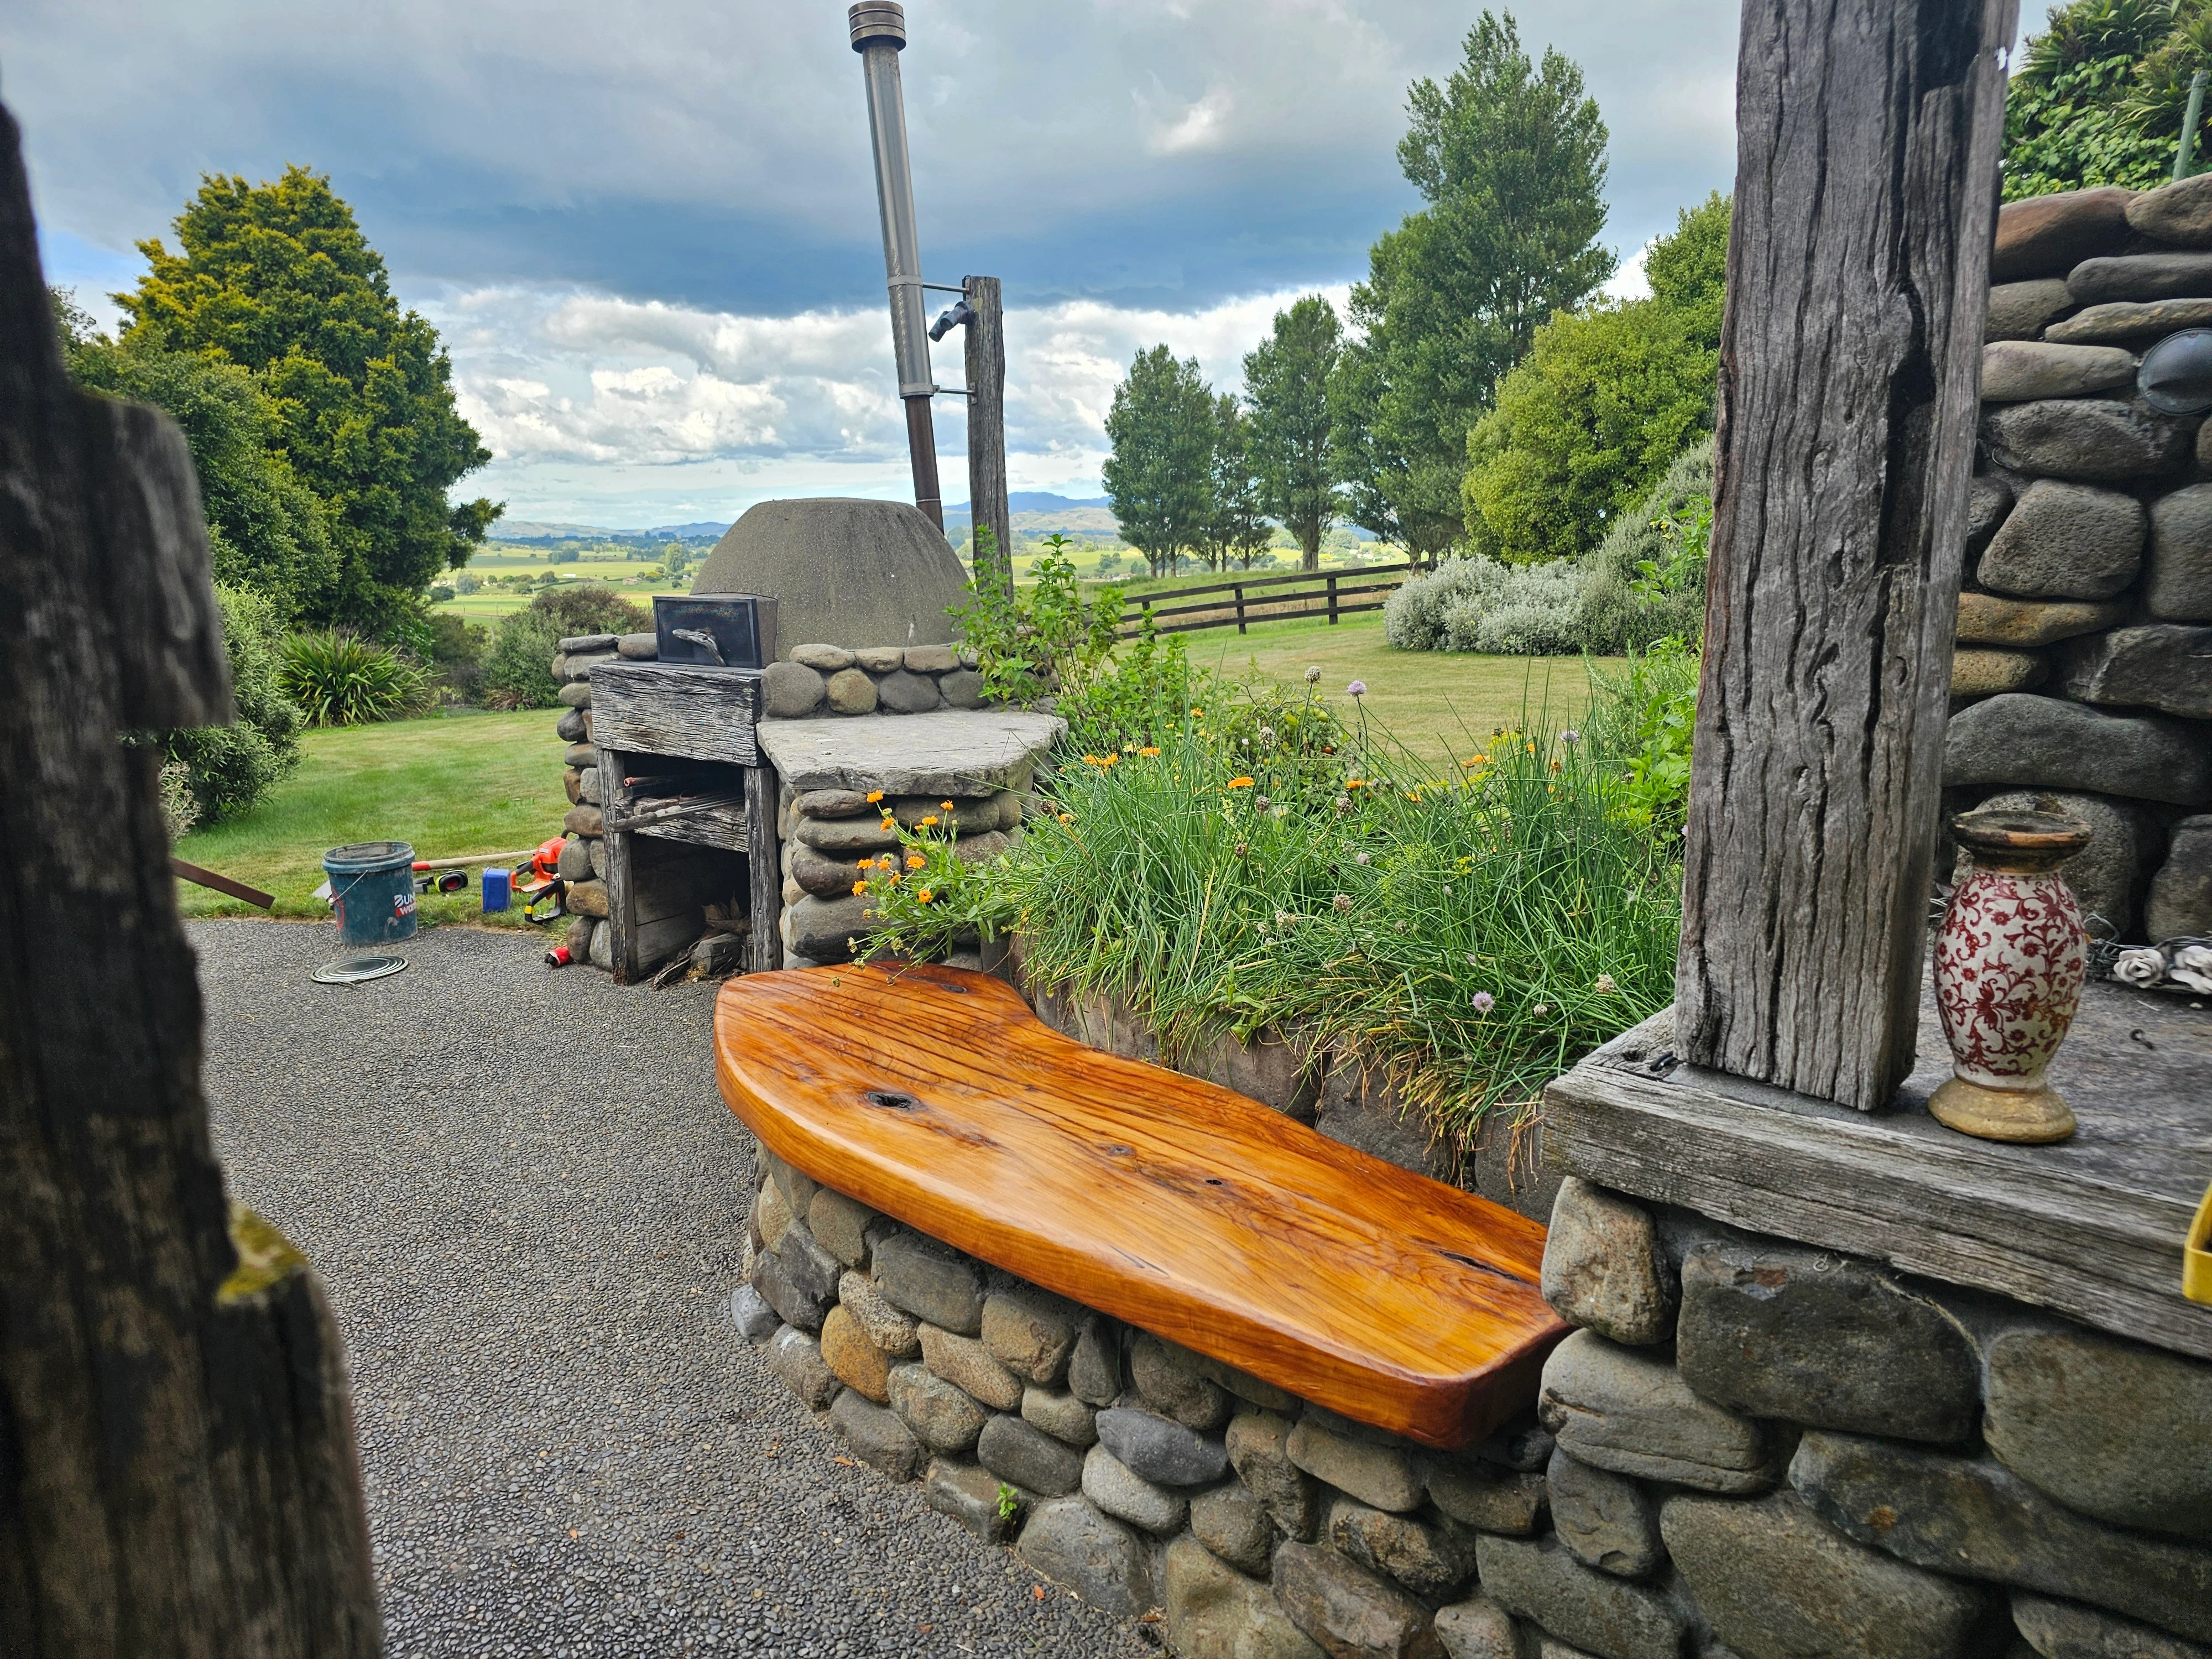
[526,1198]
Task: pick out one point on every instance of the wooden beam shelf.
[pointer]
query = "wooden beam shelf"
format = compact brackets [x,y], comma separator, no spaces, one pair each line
[2092,1227]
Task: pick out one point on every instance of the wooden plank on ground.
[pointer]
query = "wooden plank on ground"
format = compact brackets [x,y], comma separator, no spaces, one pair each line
[935,1096]
[2091,1227]
[1868,138]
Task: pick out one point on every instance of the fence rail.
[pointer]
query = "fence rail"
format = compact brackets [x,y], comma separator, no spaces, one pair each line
[1255,599]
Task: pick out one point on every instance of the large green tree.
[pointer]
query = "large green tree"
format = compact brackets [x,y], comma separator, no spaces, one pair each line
[1158,478]
[277,279]
[267,530]
[2099,96]
[1511,159]
[1606,399]
[1286,382]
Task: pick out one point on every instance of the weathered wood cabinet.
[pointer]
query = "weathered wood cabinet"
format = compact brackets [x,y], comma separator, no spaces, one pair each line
[689,804]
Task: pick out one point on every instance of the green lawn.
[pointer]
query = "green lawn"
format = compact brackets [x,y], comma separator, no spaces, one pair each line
[1440,704]
[482,783]
[451,784]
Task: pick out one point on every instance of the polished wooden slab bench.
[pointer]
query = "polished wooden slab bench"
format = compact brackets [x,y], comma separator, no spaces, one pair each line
[934,1096]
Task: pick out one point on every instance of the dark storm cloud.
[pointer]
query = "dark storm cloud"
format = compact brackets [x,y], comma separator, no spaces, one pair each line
[715,154]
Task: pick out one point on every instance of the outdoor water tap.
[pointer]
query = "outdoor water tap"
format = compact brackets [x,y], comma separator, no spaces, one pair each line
[958,314]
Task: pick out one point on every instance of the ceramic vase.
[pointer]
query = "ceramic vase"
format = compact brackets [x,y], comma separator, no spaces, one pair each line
[2010,956]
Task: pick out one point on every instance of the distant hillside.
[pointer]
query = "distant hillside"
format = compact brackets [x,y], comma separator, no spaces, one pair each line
[532,532]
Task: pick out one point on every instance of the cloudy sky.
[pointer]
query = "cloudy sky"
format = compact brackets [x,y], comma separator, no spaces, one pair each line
[650,235]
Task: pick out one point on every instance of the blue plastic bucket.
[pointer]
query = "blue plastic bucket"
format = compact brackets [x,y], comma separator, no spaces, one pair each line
[373,891]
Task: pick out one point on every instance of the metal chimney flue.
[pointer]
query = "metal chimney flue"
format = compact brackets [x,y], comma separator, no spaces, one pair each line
[879,29]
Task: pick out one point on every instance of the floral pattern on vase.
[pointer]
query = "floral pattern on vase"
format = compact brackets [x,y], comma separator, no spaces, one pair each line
[2009,963]
[2010,958]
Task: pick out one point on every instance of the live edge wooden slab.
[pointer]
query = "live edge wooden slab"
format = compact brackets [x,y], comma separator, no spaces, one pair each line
[934,1096]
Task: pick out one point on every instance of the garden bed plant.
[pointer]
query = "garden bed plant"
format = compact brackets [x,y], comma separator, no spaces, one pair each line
[1248,855]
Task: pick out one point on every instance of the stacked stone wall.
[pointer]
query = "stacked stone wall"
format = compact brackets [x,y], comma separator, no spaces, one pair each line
[1747,1449]
[819,681]
[1138,1475]
[2083,673]
[584,857]
[835,839]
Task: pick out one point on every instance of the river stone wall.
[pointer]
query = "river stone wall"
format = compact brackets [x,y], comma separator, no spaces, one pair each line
[1747,1450]
[2083,671]
[816,681]
[584,858]
[834,838]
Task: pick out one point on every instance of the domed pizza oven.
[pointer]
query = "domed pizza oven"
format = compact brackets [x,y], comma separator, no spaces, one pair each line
[841,571]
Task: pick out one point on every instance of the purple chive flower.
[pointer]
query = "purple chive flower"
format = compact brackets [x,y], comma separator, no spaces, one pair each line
[1484,1002]
[1357,689]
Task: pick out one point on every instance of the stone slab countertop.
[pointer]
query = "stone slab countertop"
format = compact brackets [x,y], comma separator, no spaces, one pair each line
[948,752]
[2092,1227]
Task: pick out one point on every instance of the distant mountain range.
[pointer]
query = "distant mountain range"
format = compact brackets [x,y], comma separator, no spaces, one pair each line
[1034,513]
[526,530]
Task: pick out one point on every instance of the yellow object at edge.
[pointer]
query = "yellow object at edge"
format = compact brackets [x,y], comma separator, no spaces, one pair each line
[2197,1254]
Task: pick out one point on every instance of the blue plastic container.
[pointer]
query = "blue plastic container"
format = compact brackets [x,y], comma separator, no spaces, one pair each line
[498,888]
[373,891]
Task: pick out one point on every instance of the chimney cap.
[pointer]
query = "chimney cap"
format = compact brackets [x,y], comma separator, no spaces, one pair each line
[873,20]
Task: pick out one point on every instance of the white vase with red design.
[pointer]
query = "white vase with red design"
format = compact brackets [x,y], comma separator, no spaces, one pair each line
[2010,958]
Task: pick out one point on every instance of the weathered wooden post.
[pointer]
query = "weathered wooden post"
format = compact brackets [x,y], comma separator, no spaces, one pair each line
[987,427]
[177,1466]
[1867,140]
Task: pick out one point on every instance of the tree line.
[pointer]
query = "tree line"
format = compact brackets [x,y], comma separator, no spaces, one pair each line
[1479,396]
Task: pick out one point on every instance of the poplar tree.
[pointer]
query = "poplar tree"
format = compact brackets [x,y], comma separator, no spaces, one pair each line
[1286,382]
[1158,477]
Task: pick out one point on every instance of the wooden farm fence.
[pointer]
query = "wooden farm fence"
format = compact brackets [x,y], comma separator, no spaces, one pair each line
[1302,593]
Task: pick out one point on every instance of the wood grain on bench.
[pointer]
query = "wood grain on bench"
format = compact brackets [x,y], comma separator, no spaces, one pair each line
[934,1096]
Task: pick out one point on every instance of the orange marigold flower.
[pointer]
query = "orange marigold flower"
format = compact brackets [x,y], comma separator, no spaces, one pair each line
[1148,750]
[945,806]
[930,822]
[1240,783]
[860,887]
[874,795]
[925,895]
[1476,760]
[915,861]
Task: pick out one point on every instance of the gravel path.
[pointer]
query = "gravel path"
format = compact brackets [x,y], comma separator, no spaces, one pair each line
[527,1201]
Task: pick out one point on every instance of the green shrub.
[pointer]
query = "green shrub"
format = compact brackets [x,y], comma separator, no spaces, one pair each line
[1044,637]
[1479,604]
[1583,426]
[1644,719]
[1470,937]
[518,670]
[340,679]
[1647,579]
[457,651]
[228,768]
[1645,582]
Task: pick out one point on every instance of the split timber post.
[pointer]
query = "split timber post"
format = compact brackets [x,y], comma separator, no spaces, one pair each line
[987,427]
[1868,142]
[177,1465]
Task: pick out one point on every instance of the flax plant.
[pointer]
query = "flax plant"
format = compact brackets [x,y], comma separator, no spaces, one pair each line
[1472,935]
